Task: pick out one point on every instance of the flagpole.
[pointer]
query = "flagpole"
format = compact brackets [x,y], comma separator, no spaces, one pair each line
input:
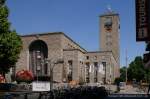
[126,67]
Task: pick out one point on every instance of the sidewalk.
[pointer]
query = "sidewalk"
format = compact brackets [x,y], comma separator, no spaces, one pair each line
[129,89]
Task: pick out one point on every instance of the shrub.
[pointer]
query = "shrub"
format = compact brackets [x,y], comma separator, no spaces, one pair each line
[118,80]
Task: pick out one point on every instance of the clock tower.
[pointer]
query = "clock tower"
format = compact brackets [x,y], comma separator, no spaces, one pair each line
[109,34]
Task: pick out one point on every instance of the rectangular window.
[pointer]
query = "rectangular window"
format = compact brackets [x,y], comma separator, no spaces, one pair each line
[87,72]
[95,71]
[70,62]
[45,69]
[104,65]
[104,69]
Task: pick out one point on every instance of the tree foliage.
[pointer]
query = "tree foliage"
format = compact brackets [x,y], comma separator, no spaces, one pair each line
[137,71]
[10,42]
[123,74]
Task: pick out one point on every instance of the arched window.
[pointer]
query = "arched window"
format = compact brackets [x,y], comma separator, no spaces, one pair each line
[38,51]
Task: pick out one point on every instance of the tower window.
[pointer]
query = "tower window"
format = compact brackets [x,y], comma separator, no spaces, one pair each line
[108,23]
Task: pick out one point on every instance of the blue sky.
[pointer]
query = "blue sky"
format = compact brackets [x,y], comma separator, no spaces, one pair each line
[79,19]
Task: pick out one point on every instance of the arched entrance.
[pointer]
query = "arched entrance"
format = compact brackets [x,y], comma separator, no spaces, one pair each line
[38,51]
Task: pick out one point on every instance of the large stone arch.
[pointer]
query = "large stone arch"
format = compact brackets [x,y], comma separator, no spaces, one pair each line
[38,51]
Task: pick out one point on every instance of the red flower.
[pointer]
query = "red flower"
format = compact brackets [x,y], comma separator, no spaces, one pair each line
[24,75]
[2,79]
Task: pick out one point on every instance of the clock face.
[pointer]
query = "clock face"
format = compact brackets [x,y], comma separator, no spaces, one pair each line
[108,23]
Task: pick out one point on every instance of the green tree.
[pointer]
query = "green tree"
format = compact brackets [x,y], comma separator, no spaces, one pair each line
[10,42]
[147,75]
[123,74]
[136,70]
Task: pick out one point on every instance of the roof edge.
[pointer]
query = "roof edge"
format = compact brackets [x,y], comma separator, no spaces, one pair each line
[109,14]
[40,34]
[98,51]
[53,33]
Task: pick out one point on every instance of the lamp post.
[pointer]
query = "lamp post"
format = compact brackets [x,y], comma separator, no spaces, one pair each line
[126,67]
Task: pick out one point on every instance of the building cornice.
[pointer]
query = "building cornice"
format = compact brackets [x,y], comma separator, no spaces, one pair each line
[53,33]
[74,50]
[109,14]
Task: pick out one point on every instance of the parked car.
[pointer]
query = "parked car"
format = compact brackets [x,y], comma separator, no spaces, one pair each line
[122,85]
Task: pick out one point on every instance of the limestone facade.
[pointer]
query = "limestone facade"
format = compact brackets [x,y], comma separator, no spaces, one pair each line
[79,64]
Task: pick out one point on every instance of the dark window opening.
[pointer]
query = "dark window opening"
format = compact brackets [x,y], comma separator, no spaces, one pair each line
[87,72]
[38,51]
[87,57]
[95,71]
[45,69]
[70,70]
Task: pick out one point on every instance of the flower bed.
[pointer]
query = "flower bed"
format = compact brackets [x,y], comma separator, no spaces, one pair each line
[24,76]
[2,79]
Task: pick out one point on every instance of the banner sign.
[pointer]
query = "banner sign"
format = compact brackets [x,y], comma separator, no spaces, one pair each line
[40,86]
[142,20]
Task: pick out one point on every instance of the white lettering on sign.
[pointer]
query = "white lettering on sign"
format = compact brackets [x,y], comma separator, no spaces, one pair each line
[142,33]
[142,12]
[40,86]
[142,20]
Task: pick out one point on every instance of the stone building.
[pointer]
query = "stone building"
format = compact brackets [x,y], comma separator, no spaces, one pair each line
[42,51]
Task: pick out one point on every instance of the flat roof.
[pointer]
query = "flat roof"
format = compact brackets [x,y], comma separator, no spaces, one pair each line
[53,33]
[109,13]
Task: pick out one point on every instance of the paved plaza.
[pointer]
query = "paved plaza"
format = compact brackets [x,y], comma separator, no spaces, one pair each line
[133,90]
[129,92]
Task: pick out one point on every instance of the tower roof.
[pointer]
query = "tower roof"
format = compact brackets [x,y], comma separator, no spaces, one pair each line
[109,12]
